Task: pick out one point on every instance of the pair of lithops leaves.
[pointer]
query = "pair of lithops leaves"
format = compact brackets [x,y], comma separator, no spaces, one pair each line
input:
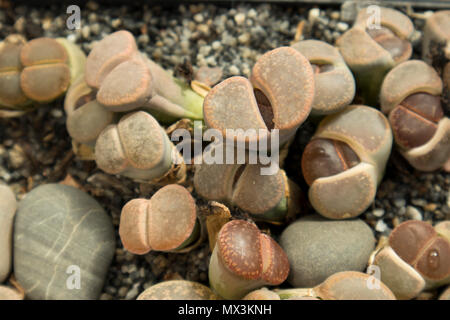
[378,41]
[411,96]
[245,259]
[37,71]
[346,285]
[345,161]
[416,258]
[119,78]
[266,196]
[167,222]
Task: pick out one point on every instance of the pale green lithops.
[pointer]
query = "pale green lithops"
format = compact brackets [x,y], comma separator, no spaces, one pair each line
[334,82]
[8,206]
[317,248]
[178,290]
[345,160]
[63,244]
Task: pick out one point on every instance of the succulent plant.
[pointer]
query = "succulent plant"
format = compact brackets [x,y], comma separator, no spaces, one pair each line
[272,198]
[136,147]
[167,222]
[334,82]
[410,94]
[275,97]
[346,285]
[345,161]
[261,294]
[40,70]
[178,290]
[371,51]
[245,259]
[127,80]
[86,118]
[436,39]
[416,258]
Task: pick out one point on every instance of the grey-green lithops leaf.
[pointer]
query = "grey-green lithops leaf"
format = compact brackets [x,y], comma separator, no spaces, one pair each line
[317,248]
[62,236]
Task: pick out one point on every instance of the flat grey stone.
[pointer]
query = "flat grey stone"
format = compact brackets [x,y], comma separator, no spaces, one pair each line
[317,248]
[8,206]
[59,229]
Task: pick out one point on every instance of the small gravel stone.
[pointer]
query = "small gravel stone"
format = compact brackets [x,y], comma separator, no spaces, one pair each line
[381,226]
[234,70]
[378,213]
[413,213]
[342,26]
[239,18]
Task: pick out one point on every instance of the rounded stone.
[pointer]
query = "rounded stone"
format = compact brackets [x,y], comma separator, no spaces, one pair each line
[63,244]
[317,248]
[8,206]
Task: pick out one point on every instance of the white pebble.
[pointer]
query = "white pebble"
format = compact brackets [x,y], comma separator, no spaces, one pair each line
[313,14]
[251,13]
[234,70]
[239,18]
[378,212]
[216,45]
[413,213]
[342,26]
[198,18]
[381,226]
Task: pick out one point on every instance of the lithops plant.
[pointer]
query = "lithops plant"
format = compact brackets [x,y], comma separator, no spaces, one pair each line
[279,95]
[86,118]
[436,39]
[416,258]
[261,294]
[346,285]
[334,82]
[37,71]
[138,147]
[371,50]
[410,95]
[167,222]
[245,259]
[345,161]
[272,198]
[317,248]
[178,290]
[127,80]
[8,206]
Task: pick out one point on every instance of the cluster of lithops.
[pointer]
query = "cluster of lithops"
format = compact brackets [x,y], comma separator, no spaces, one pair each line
[117,102]
[36,72]
[372,49]
[167,222]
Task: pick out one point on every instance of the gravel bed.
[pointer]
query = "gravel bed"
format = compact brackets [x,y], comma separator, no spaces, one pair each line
[36,149]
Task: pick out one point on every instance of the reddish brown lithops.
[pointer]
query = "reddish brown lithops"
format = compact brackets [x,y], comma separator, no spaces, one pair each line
[167,222]
[436,39]
[334,83]
[344,162]
[86,118]
[279,95]
[40,70]
[417,258]
[125,80]
[245,259]
[136,147]
[371,50]
[273,198]
[410,94]
[178,290]
[346,285]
